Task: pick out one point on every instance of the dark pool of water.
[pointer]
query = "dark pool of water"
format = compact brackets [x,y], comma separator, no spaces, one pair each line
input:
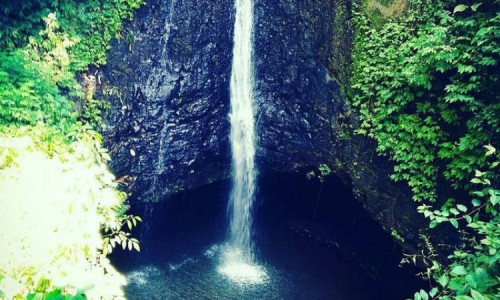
[313,239]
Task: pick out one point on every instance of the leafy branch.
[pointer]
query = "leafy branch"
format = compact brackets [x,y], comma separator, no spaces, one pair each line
[114,235]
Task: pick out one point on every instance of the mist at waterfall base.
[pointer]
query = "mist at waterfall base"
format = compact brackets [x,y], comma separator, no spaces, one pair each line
[313,239]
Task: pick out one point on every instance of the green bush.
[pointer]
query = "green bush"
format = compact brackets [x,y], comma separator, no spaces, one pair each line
[26,98]
[44,44]
[92,22]
[58,204]
[54,182]
[472,271]
[33,81]
[426,87]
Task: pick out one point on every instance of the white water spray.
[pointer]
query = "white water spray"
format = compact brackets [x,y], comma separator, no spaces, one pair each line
[238,257]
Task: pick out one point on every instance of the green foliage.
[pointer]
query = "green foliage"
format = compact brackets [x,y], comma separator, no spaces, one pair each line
[2,294]
[56,294]
[473,269]
[395,234]
[46,145]
[27,99]
[114,235]
[92,111]
[426,87]
[323,171]
[44,43]
[19,20]
[99,22]
[93,22]
[72,199]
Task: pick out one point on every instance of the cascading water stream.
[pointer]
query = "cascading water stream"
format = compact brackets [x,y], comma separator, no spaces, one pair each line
[242,133]
[238,258]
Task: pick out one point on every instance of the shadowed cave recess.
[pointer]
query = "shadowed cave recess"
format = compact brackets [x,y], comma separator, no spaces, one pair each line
[313,239]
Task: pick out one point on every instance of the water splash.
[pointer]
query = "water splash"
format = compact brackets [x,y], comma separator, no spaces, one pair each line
[239,269]
[238,256]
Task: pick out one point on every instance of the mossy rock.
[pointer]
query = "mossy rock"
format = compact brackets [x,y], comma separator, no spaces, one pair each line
[380,11]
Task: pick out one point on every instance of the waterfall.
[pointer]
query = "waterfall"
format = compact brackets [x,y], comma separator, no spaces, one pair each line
[238,261]
[242,132]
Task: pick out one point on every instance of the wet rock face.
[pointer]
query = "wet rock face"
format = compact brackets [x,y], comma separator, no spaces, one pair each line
[168,83]
[302,57]
[297,94]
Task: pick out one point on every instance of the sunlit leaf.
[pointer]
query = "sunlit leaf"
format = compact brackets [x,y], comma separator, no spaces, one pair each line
[433,292]
[476,180]
[424,295]
[490,150]
[477,295]
[475,6]
[443,280]
[460,8]
[458,270]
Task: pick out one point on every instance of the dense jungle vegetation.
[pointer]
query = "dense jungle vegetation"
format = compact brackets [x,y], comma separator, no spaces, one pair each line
[56,191]
[426,88]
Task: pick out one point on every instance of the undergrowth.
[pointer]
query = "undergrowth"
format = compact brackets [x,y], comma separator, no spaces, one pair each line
[54,182]
[425,85]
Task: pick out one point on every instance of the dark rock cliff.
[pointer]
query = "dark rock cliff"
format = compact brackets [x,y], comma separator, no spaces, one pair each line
[297,96]
[302,53]
[168,83]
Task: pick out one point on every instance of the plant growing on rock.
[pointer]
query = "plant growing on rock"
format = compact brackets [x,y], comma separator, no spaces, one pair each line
[472,271]
[425,86]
